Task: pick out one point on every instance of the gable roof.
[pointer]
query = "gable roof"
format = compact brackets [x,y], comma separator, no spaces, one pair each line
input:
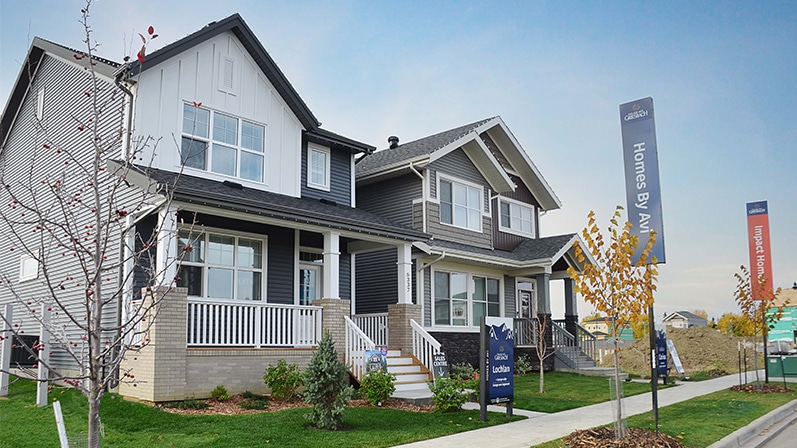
[419,152]
[38,48]
[683,315]
[237,26]
[223,195]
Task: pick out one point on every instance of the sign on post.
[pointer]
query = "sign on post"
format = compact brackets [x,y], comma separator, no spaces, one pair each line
[661,353]
[497,363]
[640,157]
[439,366]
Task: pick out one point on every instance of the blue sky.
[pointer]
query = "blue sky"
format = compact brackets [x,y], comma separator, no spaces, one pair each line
[723,76]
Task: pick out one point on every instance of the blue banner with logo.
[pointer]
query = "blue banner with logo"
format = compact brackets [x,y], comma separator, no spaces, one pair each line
[640,157]
[661,353]
[501,361]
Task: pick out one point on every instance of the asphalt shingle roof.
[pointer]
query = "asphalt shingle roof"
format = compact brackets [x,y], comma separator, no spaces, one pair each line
[416,148]
[529,250]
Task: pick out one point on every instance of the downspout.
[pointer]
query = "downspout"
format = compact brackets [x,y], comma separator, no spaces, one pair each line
[440,258]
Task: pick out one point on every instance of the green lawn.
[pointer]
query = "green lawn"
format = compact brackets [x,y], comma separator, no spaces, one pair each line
[564,390]
[701,421]
[128,424]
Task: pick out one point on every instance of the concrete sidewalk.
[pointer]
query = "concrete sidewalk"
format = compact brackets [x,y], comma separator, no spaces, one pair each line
[540,427]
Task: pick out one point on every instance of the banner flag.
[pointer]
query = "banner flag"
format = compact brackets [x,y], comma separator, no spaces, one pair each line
[640,158]
[760,254]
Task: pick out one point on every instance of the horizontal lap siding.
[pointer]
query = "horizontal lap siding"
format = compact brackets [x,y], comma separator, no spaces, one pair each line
[64,103]
[376,281]
[457,234]
[340,178]
[392,198]
[508,241]
[510,304]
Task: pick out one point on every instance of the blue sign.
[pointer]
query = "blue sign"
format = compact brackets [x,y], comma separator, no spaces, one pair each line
[640,157]
[501,361]
[661,352]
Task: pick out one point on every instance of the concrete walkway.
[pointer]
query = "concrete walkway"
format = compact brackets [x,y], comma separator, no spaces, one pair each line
[540,427]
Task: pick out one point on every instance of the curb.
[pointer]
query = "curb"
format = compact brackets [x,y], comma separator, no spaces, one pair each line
[784,414]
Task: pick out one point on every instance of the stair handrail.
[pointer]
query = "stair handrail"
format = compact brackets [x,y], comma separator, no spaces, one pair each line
[424,345]
[357,342]
[562,337]
[587,342]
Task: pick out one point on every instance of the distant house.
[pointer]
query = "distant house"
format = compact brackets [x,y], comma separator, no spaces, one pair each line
[785,329]
[683,319]
[600,327]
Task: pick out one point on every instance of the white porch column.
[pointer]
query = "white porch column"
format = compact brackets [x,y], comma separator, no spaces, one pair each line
[166,252]
[404,273]
[44,357]
[331,265]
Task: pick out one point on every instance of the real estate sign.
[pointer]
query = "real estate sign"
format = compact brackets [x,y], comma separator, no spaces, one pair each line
[760,254]
[640,157]
[501,362]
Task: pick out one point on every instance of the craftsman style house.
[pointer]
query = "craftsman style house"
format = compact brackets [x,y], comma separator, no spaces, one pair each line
[275,230]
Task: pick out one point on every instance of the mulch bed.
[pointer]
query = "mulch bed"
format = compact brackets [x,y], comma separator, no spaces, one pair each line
[635,438]
[232,406]
[765,388]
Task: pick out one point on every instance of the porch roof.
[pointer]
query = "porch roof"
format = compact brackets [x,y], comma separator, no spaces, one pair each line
[531,252]
[324,213]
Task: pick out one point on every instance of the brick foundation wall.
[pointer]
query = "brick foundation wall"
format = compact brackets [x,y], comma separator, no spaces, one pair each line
[398,322]
[332,321]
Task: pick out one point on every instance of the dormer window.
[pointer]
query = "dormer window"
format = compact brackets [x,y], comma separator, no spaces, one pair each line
[223,144]
[516,217]
[460,205]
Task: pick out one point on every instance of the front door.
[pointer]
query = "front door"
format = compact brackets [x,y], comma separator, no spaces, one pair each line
[309,284]
[526,310]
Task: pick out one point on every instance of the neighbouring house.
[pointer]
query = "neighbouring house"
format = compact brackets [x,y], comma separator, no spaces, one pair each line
[475,190]
[269,193]
[683,319]
[785,328]
[601,328]
[291,230]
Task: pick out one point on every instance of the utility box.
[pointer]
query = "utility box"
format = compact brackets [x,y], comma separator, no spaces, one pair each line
[782,366]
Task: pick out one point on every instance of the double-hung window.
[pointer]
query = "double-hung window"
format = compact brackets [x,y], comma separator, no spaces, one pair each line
[460,205]
[461,299]
[223,144]
[516,217]
[218,266]
[318,167]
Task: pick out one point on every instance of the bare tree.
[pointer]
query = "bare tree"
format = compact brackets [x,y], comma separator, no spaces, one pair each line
[541,346]
[72,215]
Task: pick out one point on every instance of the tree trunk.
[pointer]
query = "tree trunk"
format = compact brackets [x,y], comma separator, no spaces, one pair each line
[619,428]
[542,378]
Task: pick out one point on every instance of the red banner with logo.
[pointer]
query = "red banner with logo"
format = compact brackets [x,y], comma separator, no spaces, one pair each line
[760,254]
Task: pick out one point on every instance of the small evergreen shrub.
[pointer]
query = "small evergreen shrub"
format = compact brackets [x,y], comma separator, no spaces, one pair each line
[377,386]
[326,387]
[447,395]
[523,365]
[219,393]
[188,403]
[283,379]
[253,401]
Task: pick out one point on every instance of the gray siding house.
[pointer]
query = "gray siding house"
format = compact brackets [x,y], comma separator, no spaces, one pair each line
[477,193]
[262,204]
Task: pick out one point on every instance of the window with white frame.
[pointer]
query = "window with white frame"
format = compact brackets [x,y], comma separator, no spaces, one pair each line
[223,144]
[516,217]
[28,268]
[318,167]
[460,205]
[220,266]
[461,299]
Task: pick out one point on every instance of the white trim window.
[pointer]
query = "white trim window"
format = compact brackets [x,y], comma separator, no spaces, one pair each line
[460,204]
[461,299]
[318,161]
[223,144]
[516,217]
[28,268]
[222,266]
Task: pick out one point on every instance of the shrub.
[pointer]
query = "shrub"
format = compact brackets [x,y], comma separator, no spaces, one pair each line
[253,401]
[325,386]
[188,403]
[283,379]
[465,376]
[523,365]
[377,386]
[447,395]
[219,393]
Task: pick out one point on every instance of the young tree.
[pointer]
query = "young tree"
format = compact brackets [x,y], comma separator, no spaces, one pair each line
[541,346]
[72,213]
[615,286]
[326,388]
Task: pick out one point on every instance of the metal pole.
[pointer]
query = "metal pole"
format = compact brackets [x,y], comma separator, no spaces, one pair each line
[654,371]
[483,369]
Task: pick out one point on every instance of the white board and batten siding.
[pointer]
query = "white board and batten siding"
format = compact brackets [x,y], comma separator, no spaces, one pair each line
[203,74]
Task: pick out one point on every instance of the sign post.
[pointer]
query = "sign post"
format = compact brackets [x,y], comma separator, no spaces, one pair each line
[643,197]
[439,366]
[497,366]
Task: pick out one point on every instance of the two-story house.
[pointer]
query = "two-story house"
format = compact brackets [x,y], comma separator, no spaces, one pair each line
[262,202]
[476,191]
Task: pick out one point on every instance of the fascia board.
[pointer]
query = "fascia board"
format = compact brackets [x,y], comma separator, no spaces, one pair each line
[417,162]
[493,171]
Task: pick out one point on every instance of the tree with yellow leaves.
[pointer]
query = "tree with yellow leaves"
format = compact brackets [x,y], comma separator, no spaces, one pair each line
[616,286]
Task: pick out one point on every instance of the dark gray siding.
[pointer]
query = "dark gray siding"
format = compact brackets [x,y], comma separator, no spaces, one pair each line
[458,164]
[508,241]
[510,304]
[376,281]
[340,182]
[427,297]
[450,233]
[344,281]
[64,103]
[392,198]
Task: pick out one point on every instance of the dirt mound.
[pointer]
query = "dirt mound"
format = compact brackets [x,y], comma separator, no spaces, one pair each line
[701,349]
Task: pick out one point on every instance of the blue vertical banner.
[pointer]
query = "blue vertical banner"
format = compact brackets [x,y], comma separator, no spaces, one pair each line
[501,365]
[640,157]
[661,353]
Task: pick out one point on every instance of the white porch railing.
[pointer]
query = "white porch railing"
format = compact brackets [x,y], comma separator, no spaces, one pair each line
[252,324]
[423,345]
[373,325]
[357,342]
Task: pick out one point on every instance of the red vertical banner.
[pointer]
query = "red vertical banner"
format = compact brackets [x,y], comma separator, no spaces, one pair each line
[760,253]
